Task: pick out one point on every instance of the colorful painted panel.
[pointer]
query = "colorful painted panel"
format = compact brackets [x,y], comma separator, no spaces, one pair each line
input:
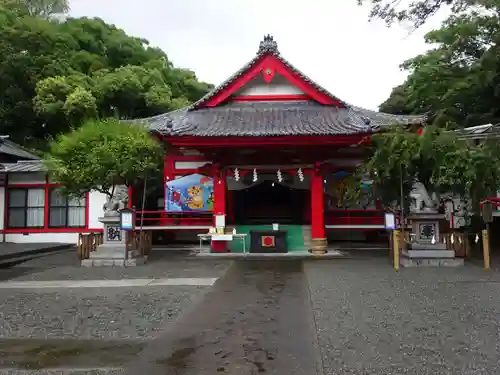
[192,193]
[336,189]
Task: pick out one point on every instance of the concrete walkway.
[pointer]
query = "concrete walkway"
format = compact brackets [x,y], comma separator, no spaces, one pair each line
[107,283]
[16,252]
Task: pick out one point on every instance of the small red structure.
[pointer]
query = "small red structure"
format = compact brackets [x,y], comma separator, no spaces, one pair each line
[278,147]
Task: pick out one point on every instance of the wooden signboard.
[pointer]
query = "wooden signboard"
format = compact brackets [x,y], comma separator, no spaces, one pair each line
[487,212]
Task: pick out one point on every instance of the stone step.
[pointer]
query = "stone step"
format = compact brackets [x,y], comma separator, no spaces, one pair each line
[429,254]
[113,262]
[434,262]
[113,254]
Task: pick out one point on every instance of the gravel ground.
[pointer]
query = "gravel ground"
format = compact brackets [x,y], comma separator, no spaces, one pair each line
[91,313]
[372,320]
[162,264]
[61,372]
[369,319]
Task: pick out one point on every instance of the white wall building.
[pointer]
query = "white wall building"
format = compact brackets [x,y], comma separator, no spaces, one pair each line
[32,209]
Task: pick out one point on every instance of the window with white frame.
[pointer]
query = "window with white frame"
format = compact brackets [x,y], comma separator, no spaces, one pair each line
[26,208]
[65,212]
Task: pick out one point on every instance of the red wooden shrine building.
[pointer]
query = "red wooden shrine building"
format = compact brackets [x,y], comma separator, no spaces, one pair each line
[277,147]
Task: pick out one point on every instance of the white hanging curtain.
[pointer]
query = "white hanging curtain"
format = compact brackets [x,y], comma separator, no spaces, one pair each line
[35,208]
[76,212]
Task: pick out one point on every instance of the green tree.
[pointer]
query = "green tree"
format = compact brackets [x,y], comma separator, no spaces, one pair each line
[419,11]
[42,8]
[102,154]
[438,159]
[457,81]
[46,65]
[126,92]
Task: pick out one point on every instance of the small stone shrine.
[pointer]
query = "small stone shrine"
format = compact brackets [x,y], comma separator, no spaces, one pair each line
[426,247]
[113,251]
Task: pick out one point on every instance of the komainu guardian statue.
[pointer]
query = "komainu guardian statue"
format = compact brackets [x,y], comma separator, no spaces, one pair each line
[422,200]
[117,202]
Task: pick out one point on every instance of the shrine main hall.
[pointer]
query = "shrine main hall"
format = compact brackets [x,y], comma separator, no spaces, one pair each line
[267,146]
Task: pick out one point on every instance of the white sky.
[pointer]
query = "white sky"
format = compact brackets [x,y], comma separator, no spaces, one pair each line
[331,41]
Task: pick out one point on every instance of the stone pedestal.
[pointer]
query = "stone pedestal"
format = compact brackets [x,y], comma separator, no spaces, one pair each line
[112,252]
[426,247]
[318,246]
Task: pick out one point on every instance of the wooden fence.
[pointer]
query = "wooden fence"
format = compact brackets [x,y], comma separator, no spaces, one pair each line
[135,240]
[88,242]
[140,240]
[459,242]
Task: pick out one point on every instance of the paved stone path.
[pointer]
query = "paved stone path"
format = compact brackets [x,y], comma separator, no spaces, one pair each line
[257,319]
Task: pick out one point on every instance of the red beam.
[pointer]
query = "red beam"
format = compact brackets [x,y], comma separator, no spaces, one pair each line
[51,230]
[193,141]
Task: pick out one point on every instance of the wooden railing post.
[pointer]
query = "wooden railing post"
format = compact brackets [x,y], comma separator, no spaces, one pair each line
[486,249]
[467,245]
[396,243]
[80,246]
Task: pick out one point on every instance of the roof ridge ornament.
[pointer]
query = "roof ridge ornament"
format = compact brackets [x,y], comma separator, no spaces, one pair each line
[268,45]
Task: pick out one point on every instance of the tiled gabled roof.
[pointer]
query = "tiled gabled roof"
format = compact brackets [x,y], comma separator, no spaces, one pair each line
[10,148]
[479,131]
[24,167]
[272,118]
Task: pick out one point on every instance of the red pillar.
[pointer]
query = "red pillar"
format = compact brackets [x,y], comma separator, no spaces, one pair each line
[168,174]
[219,180]
[130,202]
[318,211]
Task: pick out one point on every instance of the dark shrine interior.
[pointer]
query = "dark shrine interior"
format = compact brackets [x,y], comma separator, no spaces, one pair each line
[269,202]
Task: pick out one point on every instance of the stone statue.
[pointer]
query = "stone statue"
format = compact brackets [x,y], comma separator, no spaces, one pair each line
[117,202]
[458,209]
[422,201]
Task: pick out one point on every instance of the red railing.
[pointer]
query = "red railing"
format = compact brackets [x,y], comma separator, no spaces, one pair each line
[161,218]
[354,218]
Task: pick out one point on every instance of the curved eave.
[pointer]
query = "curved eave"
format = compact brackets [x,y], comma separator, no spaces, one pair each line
[381,120]
[356,121]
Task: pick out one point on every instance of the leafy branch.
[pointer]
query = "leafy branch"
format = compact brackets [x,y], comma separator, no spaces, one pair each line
[438,159]
[102,154]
